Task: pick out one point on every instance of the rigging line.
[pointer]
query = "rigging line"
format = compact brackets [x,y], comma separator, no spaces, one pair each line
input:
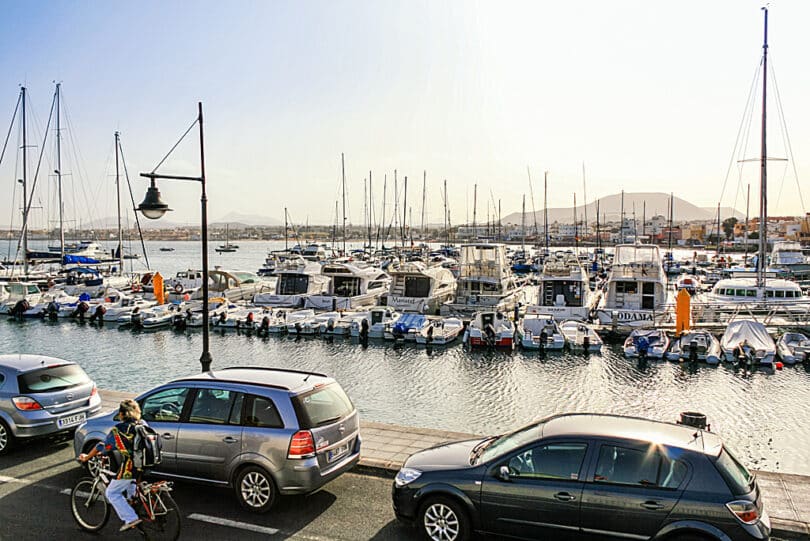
[739,130]
[129,185]
[39,160]
[786,135]
[177,143]
[743,147]
[10,127]
[80,167]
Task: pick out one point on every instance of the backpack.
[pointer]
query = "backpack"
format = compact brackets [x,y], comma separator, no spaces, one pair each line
[146,447]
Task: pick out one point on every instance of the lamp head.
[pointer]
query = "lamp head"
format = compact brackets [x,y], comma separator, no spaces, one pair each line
[153,206]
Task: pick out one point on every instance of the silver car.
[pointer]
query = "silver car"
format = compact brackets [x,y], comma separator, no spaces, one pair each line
[41,396]
[262,431]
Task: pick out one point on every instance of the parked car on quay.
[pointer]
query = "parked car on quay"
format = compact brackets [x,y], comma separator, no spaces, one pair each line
[583,476]
[42,396]
[262,431]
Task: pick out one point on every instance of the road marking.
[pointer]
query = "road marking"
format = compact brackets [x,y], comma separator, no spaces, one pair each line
[233,524]
[4,479]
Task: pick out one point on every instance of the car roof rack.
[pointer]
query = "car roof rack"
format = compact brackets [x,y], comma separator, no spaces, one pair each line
[306,372]
[237,381]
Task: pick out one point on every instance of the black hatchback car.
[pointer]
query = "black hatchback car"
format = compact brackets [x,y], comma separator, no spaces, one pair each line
[583,476]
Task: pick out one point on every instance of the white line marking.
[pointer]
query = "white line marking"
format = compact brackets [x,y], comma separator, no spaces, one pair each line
[233,524]
[4,479]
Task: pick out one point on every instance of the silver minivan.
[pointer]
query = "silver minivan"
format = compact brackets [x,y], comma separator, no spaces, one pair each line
[262,431]
[41,396]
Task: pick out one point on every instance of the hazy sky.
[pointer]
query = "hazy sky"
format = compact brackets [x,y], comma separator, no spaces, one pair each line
[648,95]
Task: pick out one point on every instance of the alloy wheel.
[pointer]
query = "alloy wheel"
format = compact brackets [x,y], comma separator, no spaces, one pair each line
[255,489]
[441,523]
[3,437]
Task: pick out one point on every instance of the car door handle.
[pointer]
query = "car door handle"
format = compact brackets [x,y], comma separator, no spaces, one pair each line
[564,497]
[651,505]
[229,439]
[167,436]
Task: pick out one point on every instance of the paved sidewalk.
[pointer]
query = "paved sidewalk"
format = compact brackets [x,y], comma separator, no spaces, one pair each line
[386,447]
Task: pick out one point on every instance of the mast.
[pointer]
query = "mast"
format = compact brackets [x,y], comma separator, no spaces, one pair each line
[644,218]
[718,231]
[343,173]
[621,222]
[59,178]
[365,206]
[531,194]
[382,219]
[118,199]
[424,188]
[370,211]
[584,199]
[763,192]
[475,202]
[499,220]
[745,230]
[405,213]
[523,227]
[671,211]
[446,227]
[576,228]
[395,217]
[25,187]
[598,236]
[545,209]
[286,229]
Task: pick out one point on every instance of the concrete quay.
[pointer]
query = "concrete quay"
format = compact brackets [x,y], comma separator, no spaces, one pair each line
[387,446]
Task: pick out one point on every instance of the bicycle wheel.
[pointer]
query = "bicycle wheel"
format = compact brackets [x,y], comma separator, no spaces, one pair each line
[88,504]
[165,526]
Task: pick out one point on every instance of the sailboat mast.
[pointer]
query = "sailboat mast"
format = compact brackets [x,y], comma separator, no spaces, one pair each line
[424,189]
[25,187]
[763,192]
[446,227]
[118,200]
[523,227]
[671,210]
[343,174]
[531,194]
[598,235]
[545,209]
[584,198]
[365,206]
[718,229]
[576,228]
[370,211]
[286,229]
[382,218]
[621,223]
[405,213]
[59,174]
[644,219]
[475,203]
[745,229]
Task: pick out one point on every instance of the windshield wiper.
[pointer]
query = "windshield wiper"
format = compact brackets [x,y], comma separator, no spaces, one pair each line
[479,448]
[330,420]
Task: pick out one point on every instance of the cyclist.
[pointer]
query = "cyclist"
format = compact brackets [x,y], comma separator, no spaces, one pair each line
[119,443]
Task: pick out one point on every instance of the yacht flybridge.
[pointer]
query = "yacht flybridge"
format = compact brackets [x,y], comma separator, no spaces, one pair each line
[417,287]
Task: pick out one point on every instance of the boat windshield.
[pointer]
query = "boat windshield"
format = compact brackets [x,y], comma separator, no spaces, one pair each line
[626,255]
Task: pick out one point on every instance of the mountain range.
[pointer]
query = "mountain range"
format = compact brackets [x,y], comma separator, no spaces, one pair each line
[643,203]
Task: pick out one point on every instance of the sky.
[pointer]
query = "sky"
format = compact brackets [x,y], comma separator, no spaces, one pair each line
[642,96]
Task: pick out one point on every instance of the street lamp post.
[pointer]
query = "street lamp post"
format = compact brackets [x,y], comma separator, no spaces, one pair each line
[153,208]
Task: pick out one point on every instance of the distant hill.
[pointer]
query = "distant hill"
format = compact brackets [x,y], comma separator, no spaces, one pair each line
[610,208]
[234,220]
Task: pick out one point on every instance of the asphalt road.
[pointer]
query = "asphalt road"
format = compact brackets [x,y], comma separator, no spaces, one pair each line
[36,477]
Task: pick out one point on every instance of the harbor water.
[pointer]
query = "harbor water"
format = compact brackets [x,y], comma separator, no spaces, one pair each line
[761,415]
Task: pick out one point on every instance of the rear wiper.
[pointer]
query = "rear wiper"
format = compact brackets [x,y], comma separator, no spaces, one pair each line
[330,420]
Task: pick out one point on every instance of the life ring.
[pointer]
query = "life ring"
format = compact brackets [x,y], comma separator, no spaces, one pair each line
[178,288]
[136,287]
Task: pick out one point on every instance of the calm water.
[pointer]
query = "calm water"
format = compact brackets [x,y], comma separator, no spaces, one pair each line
[761,415]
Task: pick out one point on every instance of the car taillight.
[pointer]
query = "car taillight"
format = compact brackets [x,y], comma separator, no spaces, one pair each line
[745,511]
[302,445]
[24,403]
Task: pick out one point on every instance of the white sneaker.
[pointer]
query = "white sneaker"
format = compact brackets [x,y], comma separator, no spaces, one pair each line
[130,525]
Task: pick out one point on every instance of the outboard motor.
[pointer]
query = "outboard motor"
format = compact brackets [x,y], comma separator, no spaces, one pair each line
[20,307]
[98,314]
[543,340]
[52,311]
[430,334]
[81,309]
[489,332]
[264,326]
[364,329]
[137,319]
[180,321]
[693,352]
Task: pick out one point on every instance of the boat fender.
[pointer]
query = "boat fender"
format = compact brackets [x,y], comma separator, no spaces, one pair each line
[136,287]
[779,365]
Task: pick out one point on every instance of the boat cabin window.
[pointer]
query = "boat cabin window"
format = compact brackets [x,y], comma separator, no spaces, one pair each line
[345,286]
[626,287]
[750,293]
[487,287]
[32,289]
[769,293]
[780,294]
[376,285]
[417,286]
[292,284]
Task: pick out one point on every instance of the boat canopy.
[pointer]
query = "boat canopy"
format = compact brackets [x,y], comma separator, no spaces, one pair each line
[745,330]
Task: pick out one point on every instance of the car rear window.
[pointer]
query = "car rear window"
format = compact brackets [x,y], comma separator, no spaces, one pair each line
[52,379]
[322,406]
[737,477]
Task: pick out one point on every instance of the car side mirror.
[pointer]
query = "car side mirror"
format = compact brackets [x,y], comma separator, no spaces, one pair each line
[503,474]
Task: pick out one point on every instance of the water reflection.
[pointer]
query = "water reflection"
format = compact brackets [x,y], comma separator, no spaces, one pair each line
[758,412]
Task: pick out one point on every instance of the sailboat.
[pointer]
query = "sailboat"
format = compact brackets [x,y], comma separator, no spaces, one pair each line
[227,247]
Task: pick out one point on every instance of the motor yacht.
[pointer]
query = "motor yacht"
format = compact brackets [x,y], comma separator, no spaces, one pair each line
[417,287]
[350,287]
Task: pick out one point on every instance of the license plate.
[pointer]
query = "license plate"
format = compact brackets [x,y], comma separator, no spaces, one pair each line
[65,422]
[337,452]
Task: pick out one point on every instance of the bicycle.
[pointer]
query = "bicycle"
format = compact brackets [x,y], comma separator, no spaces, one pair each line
[157,510]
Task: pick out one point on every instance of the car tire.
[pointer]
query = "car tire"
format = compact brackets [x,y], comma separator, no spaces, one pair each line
[6,438]
[255,489]
[93,465]
[443,519]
